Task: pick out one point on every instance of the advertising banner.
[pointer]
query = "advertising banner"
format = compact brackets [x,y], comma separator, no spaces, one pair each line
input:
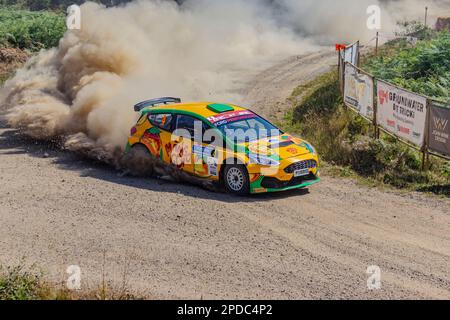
[439,129]
[358,91]
[402,113]
[351,53]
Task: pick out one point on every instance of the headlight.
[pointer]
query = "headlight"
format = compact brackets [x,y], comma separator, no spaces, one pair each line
[310,148]
[313,150]
[262,160]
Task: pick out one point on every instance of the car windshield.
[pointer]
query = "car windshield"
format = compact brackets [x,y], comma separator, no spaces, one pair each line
[249,129]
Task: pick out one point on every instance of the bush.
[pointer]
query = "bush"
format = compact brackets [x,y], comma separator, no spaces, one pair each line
[62,5]
[424,69]
[30,30]
[16,284]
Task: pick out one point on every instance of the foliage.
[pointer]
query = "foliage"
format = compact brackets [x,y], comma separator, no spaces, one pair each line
[18,284]
[61,5]
[424,69]
[415,29]
[30,30]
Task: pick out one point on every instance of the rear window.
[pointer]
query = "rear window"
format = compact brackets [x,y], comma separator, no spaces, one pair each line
[162,121]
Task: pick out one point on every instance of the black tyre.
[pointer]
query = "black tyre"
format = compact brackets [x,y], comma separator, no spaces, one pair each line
[139,161]
[235,178]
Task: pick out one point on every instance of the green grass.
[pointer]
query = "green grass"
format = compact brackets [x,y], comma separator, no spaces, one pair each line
[30,30]
[424,68]
[16,283]
[56,5]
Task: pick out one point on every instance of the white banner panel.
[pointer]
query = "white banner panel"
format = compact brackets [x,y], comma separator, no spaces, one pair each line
[401,112]
[351,53]
[358,91]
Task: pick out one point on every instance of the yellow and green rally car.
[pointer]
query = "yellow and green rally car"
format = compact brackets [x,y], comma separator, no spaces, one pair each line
[223,143]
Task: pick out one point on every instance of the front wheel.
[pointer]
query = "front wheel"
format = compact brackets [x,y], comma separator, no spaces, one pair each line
[236,179]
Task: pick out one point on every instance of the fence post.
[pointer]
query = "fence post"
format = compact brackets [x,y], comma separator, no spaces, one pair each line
[426,137]
[339,69]
[423,161]
[343,74]
[375,110]
[358,56]
[376,44]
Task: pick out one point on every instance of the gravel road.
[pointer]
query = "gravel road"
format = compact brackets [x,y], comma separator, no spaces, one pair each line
[168,240]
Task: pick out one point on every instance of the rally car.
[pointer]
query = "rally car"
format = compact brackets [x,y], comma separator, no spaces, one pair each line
[224,143]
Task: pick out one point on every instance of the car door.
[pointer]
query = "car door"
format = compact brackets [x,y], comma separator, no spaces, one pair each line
[206,153]
[182,143]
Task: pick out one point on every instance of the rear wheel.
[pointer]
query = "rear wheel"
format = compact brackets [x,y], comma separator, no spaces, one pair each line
[236,179]
[139,161]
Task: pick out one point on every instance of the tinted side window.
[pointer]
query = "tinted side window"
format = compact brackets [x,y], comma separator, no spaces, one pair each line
[162,121]
[205,127]
[190,124]
[186,123]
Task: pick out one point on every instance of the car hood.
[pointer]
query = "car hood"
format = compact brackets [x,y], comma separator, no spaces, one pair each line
[281,147]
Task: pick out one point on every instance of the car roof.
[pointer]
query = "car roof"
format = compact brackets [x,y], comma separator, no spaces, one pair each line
[198,108]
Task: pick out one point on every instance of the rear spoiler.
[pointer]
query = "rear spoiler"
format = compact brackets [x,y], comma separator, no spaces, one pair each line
[151,103]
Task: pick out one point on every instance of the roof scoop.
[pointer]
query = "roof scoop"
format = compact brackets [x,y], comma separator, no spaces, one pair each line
[220,107]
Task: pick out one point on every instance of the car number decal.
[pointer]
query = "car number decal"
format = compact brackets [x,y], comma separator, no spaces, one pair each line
[212,166]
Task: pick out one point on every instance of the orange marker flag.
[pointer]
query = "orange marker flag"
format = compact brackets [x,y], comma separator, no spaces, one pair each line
[340,47]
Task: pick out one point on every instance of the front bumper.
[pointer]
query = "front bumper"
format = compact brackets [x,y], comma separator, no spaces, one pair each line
[282,178]
[271,184]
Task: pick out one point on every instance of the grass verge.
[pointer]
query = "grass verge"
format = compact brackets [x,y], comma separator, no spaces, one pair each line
[16,283]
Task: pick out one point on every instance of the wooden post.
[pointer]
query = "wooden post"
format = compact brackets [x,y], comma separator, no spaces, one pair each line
[339,70]
[426,16]
[376,45]
[342,75]
[424,159]
[339,62]
[375,110]
[426,137]
[358,55]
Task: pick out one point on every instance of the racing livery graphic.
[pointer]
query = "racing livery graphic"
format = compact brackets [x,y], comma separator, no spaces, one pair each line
[224,143]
